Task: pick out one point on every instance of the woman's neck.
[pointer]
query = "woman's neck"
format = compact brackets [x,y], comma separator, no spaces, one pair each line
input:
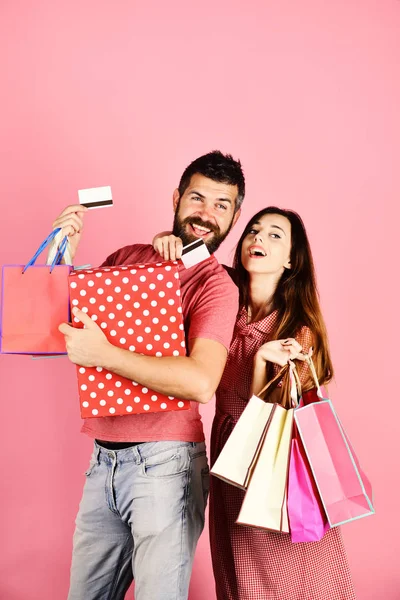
[261,293]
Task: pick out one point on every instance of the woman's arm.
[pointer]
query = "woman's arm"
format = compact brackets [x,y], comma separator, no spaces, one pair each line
[276,351]
[305,339]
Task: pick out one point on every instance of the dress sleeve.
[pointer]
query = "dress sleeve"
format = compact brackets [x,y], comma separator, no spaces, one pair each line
[305,339]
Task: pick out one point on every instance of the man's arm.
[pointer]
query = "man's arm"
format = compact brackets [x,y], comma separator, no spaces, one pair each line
[71,223]
[193,377]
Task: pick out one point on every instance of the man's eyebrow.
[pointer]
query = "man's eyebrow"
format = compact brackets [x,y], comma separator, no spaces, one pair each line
[195,193]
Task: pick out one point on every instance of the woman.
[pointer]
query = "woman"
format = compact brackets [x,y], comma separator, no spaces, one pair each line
[279,316]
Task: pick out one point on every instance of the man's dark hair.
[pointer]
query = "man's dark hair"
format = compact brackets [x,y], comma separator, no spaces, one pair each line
[218,167]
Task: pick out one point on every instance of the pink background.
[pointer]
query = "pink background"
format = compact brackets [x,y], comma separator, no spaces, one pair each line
[125,94]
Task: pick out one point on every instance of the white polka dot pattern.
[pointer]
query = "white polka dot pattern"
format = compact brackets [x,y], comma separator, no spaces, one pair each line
[149,297]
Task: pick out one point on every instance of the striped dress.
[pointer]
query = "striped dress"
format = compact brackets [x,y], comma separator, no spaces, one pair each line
[250,563]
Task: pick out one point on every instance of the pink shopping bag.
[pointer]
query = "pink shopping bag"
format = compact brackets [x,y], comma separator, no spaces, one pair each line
[345,491]
[35,300]
[307,519]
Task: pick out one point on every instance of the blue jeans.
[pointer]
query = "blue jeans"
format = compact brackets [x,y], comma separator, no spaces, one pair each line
[141,515]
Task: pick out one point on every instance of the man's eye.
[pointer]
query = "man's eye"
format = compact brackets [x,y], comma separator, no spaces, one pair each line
[197,198]
[222,206]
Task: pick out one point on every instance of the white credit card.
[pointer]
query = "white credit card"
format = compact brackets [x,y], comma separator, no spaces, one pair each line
[97,197]
[194,253]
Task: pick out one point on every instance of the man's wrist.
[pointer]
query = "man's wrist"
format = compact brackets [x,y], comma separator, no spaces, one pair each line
[109,357]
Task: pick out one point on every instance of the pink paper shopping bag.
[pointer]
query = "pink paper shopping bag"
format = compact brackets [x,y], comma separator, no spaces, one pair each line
[138,307]
[35,300]
[344,489]
[307,519]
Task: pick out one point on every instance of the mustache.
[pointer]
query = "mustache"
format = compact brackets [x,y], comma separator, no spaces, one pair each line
[197,221]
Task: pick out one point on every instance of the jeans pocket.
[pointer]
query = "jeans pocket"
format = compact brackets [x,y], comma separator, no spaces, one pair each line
[205,481]
[168,463]
[92,464]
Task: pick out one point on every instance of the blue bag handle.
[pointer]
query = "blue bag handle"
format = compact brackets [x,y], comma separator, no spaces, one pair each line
[58,257]
[60,253]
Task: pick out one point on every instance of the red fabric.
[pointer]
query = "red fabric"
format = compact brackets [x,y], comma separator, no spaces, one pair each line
[34,304]
[209,303]
[250,563]
[139,309]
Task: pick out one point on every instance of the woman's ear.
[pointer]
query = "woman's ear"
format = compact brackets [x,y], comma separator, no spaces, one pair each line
[287,264]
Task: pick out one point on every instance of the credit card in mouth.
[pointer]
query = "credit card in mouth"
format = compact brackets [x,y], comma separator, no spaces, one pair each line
[97,197]
[194,253]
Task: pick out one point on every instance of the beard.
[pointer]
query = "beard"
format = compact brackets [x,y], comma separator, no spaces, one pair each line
[213,243]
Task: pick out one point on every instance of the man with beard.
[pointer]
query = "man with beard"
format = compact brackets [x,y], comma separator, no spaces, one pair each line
[143,503]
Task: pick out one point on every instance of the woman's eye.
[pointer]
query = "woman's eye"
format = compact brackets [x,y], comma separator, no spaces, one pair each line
[275,236]
[252,231]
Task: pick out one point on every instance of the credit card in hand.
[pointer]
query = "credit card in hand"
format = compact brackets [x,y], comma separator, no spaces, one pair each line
[97,197]
[194,253]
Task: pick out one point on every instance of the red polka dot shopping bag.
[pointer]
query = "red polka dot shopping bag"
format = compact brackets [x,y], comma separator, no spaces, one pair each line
[139,308]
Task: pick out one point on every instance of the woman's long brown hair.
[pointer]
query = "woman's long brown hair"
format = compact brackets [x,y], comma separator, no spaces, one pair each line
[296,296]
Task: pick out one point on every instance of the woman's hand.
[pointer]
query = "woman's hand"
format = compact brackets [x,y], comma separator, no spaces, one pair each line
[168,245]
[279,352]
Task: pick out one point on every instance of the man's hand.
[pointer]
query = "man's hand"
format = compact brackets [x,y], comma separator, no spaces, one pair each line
[71,223]
[85,347]
[168,246]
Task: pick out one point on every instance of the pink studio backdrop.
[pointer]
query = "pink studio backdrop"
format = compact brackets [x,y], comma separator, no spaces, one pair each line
[125,94]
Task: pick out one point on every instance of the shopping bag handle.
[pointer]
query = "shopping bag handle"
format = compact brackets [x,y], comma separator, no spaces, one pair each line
[60,253]
[58,257]
[272,383]
[313,371]
[295,385]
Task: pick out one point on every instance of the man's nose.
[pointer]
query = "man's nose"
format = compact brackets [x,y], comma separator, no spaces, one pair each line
[206,212]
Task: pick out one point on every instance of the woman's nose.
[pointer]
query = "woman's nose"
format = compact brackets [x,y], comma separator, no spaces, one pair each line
[258,237]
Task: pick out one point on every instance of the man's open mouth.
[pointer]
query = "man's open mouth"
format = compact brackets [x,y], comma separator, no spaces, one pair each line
[199,230]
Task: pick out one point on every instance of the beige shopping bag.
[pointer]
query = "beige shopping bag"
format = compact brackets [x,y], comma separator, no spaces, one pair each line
[265,502]
[239,455]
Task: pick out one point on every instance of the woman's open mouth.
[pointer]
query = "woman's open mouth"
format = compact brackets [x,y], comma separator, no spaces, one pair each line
[257,252]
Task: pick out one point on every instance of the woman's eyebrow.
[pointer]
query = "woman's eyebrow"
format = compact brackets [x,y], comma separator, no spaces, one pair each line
[277,227]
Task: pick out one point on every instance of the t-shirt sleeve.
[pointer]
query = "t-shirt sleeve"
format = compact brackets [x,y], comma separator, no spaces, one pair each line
[132,254]
[214,314]
[111,260]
